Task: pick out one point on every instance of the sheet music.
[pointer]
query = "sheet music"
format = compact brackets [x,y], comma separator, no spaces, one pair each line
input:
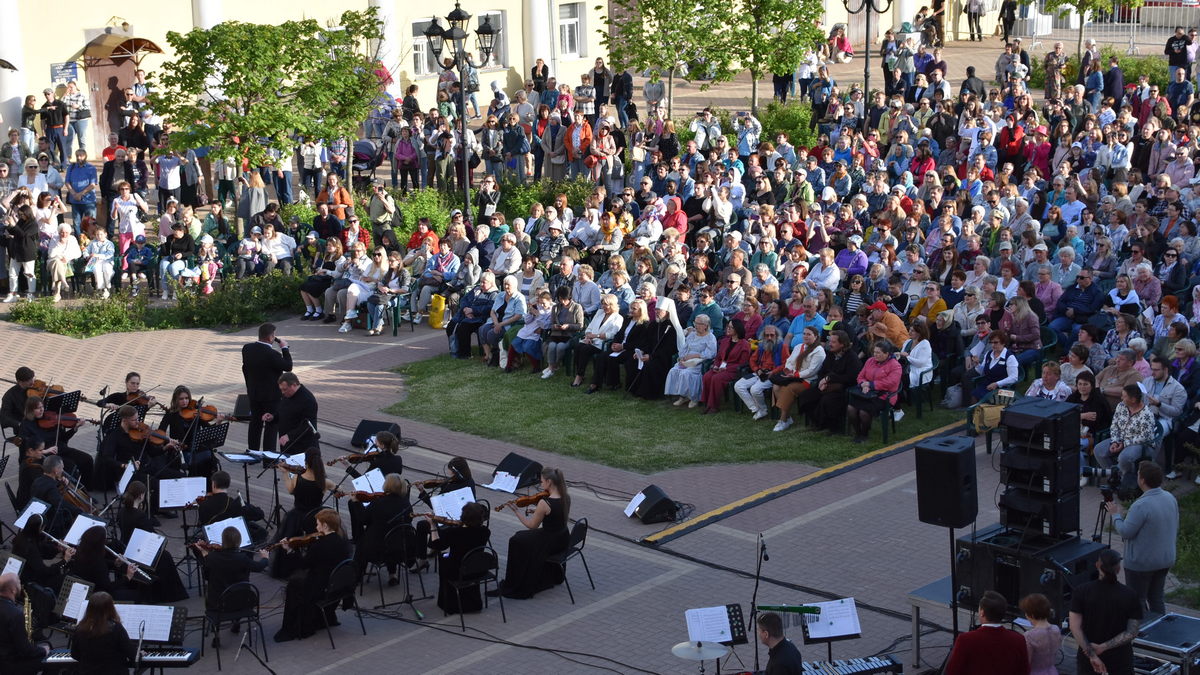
[371,481]
[634,503]
[157,617]
[297,459]
[125,478]
[838,618]
[82,524]
[708,624]
[504,482]
[77,601]
[143,546]
[13,565]
[267,454]
[450,504]
[238,457]
[214,531]
[36,507]
[179,492]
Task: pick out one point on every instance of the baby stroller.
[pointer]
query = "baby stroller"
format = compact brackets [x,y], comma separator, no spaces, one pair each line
[368,155]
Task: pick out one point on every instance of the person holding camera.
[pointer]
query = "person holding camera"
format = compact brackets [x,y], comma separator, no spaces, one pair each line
[1149,531]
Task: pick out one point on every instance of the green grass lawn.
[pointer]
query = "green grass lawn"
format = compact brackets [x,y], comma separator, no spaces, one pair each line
[611,427]
[1187,564]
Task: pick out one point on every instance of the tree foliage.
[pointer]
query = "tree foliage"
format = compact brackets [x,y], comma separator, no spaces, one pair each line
[1087,9]
[768,36]
[243,89]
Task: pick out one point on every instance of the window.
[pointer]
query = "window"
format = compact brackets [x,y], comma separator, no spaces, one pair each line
[570,30]
[424,62]
[499,53]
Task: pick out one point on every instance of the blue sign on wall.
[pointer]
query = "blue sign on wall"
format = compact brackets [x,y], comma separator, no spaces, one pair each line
[61,73]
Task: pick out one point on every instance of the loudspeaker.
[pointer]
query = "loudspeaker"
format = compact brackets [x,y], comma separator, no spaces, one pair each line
[1052,514]
[655,507]
[946,488]
[527,471]
[1041,424]
[241,407]
[368,428]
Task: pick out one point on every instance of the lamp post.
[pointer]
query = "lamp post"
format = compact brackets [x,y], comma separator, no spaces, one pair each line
[869,7]
[461,60]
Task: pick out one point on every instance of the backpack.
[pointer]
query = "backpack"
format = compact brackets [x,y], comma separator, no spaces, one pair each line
[472,80]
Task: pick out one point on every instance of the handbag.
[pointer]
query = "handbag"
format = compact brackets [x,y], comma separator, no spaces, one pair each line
[781,380]
[83,114]
[341,284]
[591,161]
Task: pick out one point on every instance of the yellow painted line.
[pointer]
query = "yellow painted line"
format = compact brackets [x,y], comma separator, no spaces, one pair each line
[722,511]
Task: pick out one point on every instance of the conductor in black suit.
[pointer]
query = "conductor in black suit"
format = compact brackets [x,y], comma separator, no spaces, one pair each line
[261,368]
[297,416]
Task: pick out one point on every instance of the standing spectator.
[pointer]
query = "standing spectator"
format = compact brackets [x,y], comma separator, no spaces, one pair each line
[990,649]
[1176,50]
[1053,64]
[1104,620]
[78,114]
[54,121]
[975,10]
[82,188]
[1149,531]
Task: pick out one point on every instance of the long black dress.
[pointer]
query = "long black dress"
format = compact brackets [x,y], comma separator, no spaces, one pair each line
[527,571]
[308,584]
[453,543]
[167,587]
[651,380]
[307,496]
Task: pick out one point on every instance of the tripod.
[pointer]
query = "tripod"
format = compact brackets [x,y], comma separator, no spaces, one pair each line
[1102,520]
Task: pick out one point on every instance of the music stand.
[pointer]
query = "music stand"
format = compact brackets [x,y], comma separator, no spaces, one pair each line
[245,461]
[208,437]
[67,402]
[837,621]
[64,597]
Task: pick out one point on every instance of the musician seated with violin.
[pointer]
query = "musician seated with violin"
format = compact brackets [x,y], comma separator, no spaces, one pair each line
[12,405]
[52,488]
[180,422]
[220,505]
[453,541]
[91,563]
[381,512]
[119,447]
[132,395]
[322,551]
[54,431]
[458,476]
[18,653]
[307,485]
[225,564]
[101,645]
[387,458]
[167,587]
[528,571]
[42,572]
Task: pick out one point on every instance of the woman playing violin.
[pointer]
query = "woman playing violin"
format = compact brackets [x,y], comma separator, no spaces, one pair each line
[453,543]
[42,565]
[229,565]
[307,585]
[180,422]
[387,460]
[546,533]
[307,490]
[167,586]
[378,517]
[39,428]
[133,395]
[458,476]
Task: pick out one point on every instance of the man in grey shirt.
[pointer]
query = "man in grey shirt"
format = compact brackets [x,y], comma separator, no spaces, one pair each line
[1149,531]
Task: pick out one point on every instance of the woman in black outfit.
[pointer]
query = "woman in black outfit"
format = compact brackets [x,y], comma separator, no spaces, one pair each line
[41,581]
[229,565]
[132,391]
[101,645]
[167,587]
[458,477]
[387,461]
[637,333]
[183,432]
[75,462]
[308,490]
[659,357]
[546,533]
[90,563]
[378,518]
[308,583]
[453,543]
[1095,413]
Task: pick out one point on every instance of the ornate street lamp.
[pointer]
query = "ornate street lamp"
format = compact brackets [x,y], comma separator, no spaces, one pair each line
[870,7]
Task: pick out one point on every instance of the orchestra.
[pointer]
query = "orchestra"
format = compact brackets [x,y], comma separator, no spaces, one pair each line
[141,442]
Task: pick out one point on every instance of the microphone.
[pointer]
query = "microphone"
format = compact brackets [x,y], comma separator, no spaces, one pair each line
[762,547]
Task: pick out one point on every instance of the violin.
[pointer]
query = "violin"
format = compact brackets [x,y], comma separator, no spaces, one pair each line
[40,389]
[51,419]
[200,499]
[291,468]
[360,496]
[352,458]
[442,520]
[207,413]
[201,545]
[295,542]
[141,399]
[141,432]
[431,483]
[528,500]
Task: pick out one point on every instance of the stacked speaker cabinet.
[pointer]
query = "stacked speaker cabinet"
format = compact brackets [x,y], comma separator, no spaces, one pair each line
[1039,467]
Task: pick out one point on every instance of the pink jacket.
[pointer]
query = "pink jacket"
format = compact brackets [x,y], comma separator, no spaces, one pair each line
[882,376]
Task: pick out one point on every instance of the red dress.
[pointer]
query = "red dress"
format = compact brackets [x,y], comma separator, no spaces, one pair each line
[726,367]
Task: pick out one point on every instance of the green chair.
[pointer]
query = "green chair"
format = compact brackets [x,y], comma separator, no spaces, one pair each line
[887,416]
[1049,342]
[923,392]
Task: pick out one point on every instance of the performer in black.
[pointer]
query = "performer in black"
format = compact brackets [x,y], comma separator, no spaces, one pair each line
[229,565]
[297,416]
[308,584]
[118,449]
[55,441]
[18,653]
[101,644]
[261,368]
[783,657]
[167,587]
[61,513]
[1104,620]
[12,405]
[220,505]
[546,533]
[377,518]
[453,543]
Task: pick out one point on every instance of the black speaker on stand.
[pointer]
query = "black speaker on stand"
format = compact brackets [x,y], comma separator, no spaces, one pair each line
[368,428]
[947,494]
[655,506]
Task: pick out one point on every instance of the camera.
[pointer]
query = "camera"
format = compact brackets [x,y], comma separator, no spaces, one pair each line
[1109,479]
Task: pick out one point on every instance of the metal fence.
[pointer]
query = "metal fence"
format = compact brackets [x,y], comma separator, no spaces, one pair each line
[1143,30]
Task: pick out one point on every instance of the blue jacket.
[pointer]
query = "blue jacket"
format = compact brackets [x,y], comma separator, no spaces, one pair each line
[480,302]
[1085,302]
[143,256]
[515,142]
[1149,531]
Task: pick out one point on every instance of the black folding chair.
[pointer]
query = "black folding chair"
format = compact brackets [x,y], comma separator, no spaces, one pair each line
[397,546]
[574,549]
[237,603]
[479,566]
[342,581]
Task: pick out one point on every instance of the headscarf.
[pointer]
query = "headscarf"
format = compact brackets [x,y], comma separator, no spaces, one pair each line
[668,305]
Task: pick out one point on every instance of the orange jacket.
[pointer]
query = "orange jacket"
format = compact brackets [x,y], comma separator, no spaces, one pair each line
[585,142]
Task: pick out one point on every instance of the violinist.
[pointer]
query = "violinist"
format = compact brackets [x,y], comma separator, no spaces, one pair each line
[12,405]
[132,395]
[546,533]
[220,505]
[229,565]
[118,448]
[308,583]
[180,423]
[167,587]
[307,490]
[458,473]
[61,513]
[100,644]
[18,653]
[453,543]
[34,430]
[296,418]
[387,459]
[92,564]
[378,517]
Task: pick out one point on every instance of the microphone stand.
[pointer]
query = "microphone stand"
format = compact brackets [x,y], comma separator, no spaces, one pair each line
[137,657]
[760,555]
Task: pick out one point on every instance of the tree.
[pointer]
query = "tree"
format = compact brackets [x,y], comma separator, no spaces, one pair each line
[664,36]
[1086,9]
[245,89]
[768,36]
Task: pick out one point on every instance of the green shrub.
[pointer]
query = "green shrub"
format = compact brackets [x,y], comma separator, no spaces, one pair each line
[516,199]
[425,203]
[304,211]
[1155,67]
[120,313]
